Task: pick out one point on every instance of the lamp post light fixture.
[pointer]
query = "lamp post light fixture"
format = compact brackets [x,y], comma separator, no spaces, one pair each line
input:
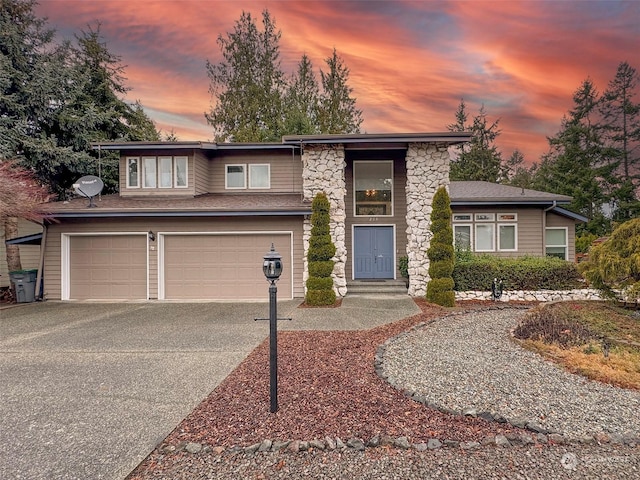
[272,268]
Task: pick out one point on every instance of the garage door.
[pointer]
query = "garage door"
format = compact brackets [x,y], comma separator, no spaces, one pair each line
[108,267]
[222,267]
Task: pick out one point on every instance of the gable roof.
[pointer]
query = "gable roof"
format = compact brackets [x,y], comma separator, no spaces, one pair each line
[486,193]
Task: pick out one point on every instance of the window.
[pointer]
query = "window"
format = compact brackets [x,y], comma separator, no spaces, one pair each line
[149,180]
[507,237]
[165,169]
[462,217]
[485,237]
[485,217]
[462,237]
[235,177]
[373,188]
[556,242]
[259,176]
[180,172]
[133,172]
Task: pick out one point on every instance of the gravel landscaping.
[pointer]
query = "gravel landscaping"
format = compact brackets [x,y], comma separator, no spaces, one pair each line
[339,419]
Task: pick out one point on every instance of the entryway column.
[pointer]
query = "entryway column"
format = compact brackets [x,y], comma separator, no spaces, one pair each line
[323,171]
[427,170]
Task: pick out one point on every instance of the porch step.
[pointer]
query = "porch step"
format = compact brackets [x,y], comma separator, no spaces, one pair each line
[378,287]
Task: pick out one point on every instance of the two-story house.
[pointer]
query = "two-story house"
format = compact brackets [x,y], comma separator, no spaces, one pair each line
[193,220]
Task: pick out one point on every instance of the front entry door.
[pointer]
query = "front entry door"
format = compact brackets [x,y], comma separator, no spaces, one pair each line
[373,253]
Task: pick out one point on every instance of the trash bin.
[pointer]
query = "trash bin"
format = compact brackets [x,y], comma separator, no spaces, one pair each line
[25,283]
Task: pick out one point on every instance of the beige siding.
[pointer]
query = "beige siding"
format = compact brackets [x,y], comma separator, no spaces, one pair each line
[530,229]
[555,220]
[52,275]
[142,192]
[286,171]
[29,254]
[399,218]
[201,173]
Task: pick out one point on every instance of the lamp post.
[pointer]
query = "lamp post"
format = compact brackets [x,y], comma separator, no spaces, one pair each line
[272,268]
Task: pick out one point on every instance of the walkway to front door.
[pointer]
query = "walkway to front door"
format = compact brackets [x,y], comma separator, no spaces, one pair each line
[373,253]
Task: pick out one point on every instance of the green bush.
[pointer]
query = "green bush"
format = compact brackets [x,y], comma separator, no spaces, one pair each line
[320,297]
[321,269]
[321,251]
[441,254]
[319,283]
[403,266]
[524,273]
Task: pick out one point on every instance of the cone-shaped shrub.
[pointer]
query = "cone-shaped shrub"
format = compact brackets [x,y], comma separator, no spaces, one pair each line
[321,251]
[441,253]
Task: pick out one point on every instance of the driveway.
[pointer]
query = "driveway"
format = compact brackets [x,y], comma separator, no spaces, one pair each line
[88,390]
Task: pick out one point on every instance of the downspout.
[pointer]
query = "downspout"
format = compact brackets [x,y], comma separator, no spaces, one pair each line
[544,226]
[43,244]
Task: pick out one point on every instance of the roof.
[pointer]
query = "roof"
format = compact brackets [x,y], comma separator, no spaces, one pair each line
[209,205]
[389,140]
[451,138]
[486,193]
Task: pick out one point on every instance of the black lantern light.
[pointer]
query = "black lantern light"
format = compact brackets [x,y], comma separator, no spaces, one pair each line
[272,265]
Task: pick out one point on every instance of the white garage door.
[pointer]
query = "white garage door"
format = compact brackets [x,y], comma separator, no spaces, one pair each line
[108,267]
[223,267]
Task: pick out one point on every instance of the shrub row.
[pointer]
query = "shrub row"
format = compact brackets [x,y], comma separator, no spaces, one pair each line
[524,273]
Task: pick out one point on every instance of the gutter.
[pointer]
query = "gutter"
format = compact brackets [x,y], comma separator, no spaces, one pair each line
[189,213]
[544,226]
[43,244]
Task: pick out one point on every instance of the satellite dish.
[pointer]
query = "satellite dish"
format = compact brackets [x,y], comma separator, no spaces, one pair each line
[88,186]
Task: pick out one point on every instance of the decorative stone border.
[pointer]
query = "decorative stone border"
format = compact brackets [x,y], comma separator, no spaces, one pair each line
[538,433]
[534,295]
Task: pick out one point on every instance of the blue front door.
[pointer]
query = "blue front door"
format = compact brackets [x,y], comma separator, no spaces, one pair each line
[373,255]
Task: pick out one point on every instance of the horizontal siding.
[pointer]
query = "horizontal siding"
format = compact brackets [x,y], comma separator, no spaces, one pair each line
[286,171]
[143,192]
[200,173]
[52,283]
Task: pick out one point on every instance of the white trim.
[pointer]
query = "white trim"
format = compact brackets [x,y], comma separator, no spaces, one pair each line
[490,217]
[126,169]
[393,193]
[493,236]
[65,257]
[566,241]
[515,240]
[226,176]
[353,245]
[186,171]
[268,165]
[470,225]
[161,249]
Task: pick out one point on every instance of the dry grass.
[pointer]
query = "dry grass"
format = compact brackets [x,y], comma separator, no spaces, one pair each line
[592,339]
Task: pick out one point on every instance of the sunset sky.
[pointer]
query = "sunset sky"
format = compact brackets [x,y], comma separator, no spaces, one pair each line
[411,62]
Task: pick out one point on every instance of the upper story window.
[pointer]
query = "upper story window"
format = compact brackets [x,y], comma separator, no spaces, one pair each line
[242,176]
[156,172]
[373,188]
[133,172]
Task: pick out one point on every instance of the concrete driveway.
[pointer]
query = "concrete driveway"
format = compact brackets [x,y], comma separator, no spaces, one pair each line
[87,390]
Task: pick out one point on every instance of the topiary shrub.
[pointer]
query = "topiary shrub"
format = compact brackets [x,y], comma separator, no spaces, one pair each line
[321,251]
[441,254]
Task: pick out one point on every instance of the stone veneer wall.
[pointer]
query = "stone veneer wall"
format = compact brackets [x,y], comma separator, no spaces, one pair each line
[323,171]
[534,295]
[427,170]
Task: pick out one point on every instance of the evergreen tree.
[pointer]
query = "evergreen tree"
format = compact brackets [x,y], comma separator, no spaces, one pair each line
[301,101]
[337,108]
[576,163]
[620,125]
[480,158]
[248,84]
[441,253]
[515,172]
[54,102]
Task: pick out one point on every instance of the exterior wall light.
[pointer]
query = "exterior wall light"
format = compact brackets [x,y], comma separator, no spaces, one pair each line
[152,236]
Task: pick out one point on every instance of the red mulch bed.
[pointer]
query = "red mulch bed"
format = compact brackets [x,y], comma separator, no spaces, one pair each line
[327,387]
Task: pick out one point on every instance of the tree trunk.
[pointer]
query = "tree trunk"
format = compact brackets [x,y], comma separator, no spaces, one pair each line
[13,251]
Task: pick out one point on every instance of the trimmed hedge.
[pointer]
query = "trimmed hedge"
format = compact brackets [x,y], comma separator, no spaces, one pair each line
[321,251]
[441,254]
[524,273]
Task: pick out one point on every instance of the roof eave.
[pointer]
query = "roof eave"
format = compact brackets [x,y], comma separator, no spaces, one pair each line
[182,213]
[441,137]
